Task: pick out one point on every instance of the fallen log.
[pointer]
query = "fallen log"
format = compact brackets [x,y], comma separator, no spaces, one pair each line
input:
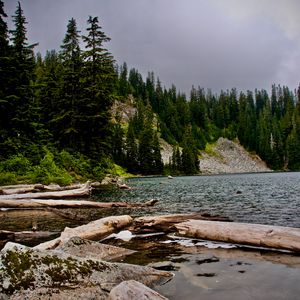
[276,237]
[33,188]
[40,203]
[95,230]
[166,222]
[83,191]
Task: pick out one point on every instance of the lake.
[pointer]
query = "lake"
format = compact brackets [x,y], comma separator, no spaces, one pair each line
[202,270]
[268,198]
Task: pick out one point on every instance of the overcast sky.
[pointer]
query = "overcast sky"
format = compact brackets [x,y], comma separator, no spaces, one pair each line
[217,44]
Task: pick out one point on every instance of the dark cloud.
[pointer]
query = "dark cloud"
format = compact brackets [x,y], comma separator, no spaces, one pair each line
[193,42]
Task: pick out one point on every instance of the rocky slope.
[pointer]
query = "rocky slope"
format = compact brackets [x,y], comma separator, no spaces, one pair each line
[224,157]
[230,157]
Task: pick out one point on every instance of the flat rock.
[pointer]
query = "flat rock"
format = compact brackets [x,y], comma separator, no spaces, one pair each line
[32,274]
[133,290]
[90,249]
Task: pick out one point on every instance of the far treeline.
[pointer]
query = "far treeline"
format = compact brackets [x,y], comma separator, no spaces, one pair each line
[56,120]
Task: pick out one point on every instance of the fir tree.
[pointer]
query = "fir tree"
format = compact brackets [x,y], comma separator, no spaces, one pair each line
[66,118]
[99,82]
[131,150]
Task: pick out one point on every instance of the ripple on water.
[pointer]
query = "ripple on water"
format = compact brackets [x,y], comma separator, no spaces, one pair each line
[270,198]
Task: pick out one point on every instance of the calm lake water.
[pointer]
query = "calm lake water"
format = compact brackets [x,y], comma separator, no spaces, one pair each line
[269,198]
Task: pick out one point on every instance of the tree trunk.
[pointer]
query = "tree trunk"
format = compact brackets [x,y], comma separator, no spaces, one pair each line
[95,230]
[276,237]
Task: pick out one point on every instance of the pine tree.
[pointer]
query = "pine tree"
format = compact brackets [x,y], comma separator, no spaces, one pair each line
[66,118]
[158,165]
[21,99]
[6,77]
[189,155]
[99,83]
[131,150]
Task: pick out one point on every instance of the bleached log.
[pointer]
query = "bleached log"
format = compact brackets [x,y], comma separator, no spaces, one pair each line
[28,188]
[83,191]
[166,222]
[40,203]
[131,290]
[95,230]
[276,237]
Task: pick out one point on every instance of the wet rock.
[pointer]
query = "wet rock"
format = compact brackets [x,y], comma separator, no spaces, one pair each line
[206,274]
[89,249]
[164,266]
[133,290]
[31,274]
[207,260]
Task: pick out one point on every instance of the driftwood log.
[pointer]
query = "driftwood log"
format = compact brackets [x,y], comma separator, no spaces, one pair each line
[95,230]
[34,188]
[166,222]
[40,203]
[276,237]
[83,191]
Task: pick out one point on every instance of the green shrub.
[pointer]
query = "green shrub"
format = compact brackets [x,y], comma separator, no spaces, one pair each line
[77,165]
[47,171]
[8,178]
[17,164]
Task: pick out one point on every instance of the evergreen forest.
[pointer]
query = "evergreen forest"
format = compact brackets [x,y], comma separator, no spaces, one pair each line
[57,122]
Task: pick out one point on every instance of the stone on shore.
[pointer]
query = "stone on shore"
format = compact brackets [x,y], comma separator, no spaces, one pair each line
[26,273]
[133,290]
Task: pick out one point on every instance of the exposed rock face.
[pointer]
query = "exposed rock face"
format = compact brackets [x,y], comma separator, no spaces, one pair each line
[30,274]
[230,157]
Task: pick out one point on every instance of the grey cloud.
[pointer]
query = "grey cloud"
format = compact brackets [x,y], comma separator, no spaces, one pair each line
[214,43]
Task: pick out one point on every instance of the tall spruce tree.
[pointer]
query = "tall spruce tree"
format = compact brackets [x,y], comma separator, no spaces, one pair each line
[66,118]
[5,78]
[99,82]
[21,98]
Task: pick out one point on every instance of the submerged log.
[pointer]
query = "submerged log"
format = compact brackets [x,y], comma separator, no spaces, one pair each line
[166,222]
[83,191]
[276,237]
[95,230]
[40,203]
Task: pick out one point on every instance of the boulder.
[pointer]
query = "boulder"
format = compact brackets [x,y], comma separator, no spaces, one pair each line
[31,274]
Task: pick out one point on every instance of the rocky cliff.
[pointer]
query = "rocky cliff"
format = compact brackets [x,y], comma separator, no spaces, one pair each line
[230,157]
